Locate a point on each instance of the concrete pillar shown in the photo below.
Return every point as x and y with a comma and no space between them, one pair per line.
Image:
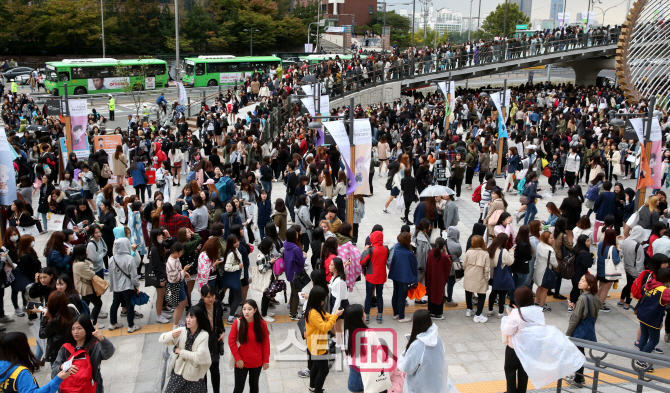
586,71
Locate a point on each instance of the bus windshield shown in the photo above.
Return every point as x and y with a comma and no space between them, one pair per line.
190,69
51,76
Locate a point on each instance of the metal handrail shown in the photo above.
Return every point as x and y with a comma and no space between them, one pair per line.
596,363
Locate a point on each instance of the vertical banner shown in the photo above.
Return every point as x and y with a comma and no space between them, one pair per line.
339,135
308,90
309,48
650,168
560,20
502,129
182,94
320,138
309,104
566,19
7,179
79,122
363,155
452,91
324,105
53,107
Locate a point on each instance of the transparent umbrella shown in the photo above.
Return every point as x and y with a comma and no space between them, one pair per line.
434,191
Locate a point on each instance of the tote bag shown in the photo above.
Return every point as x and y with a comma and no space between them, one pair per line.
586,328
634,218
612,271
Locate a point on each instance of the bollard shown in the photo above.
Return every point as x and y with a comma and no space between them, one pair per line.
189,106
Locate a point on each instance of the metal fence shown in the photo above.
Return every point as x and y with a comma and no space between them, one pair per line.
616,367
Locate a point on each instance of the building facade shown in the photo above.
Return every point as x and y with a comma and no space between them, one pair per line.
525,6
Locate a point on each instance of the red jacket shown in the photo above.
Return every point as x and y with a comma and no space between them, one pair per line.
437,274
160,156
303,146
326,265
252,353
379,257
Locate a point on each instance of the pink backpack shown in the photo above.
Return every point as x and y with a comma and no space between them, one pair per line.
279,268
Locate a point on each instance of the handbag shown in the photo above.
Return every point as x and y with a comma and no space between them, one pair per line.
612,271
634,218
301,280
549,278
145,177
172,294
30,230
586,328
301,326
524,200
231,358
150,279
231,280
99,285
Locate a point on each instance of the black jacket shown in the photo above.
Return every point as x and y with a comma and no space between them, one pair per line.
217,330
45,191
408,187
55,334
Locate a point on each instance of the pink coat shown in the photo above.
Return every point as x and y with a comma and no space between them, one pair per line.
348,251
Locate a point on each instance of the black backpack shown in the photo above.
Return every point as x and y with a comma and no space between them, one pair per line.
566,267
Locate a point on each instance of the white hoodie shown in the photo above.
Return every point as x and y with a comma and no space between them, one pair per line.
423,362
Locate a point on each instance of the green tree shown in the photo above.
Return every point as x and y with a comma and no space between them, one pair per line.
399,26
18,18
68,26
494,24
197,27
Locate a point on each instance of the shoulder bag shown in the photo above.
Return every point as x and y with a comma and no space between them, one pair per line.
549,278
586,328
612,271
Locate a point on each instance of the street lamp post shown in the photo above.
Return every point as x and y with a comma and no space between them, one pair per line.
176,31
479,14
470,21
251,44
102,18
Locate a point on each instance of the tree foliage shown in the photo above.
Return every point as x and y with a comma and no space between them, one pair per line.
495,24
147,27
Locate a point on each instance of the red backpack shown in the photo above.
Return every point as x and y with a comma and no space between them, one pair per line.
477,195
82,381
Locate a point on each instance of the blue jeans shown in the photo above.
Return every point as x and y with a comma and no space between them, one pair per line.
267,186
649,338
519,280
369,288
44,221
398,298
531,211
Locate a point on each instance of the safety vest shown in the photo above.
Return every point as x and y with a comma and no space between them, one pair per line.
15,87
112,104
145,112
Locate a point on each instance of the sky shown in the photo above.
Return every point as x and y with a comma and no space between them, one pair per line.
540,10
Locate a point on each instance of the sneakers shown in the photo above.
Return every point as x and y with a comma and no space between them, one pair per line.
489,313
270,314
433,316
106,272
294,317
303,373
380,319
102,315
546,308
268,319
644,366
500,316
6,319
116,326
560,297
230,320
386,211
480,319
161,319
516,216
406,319
605,308
134,328
19,312
657,350
100,325
571,381
168,309
396,317
468,312
571,309
451,304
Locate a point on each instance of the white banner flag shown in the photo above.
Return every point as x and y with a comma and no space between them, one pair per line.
363,154
308,89
325,105
182,94
309,104
638,125
339,134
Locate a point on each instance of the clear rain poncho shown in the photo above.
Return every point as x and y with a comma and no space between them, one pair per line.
546,354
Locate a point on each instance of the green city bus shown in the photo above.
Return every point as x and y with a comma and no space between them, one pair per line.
88,76
225,70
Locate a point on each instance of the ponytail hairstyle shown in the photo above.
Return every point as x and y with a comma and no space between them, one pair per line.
440,243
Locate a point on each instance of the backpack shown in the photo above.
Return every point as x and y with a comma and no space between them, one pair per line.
82,381
592,192
106,172
566,267
366,260
222,188
477,195
521,186
75,310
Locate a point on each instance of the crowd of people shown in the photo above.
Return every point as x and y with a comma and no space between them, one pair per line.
209,223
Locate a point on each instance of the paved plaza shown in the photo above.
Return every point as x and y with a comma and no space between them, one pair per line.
474,351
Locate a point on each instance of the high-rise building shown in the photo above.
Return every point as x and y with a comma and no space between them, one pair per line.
556,7
525,6
441,20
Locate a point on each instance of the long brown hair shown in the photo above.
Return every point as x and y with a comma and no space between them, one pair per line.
108,192
534,227
24,246
430,208
56,242
119,151
500,242
57,308
211,248
8,233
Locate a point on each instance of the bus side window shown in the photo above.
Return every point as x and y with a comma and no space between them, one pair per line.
63,76
200,69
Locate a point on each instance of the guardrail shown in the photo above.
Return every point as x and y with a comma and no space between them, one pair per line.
602,364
